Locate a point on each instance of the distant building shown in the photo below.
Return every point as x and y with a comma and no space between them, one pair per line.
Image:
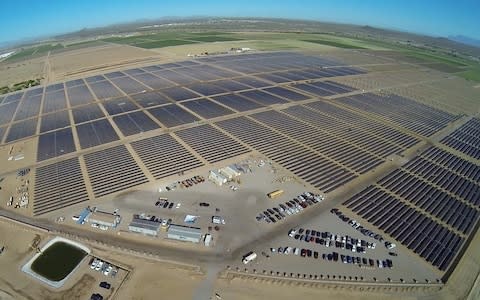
207,240
143,226
217,178
229,172
104,218
84,215
184,233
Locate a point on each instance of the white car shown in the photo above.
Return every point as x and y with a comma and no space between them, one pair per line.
296,251
99,265
108,270
178,205
94,264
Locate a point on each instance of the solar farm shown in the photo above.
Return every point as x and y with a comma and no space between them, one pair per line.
402,166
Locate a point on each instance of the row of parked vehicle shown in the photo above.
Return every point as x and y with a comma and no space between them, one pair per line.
356,225
164,203
192,181
291,207
295,251
104,267
360,261
329,239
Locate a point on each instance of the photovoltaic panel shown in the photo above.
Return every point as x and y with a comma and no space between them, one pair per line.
75,82
21,130
7,111
54,87
179,93
150,99
3,129
253,82
119,105
29,107
54,101
286,93
211,143
164,156
262,97
13,97
172,115
207,89
134,71
153,81
79,95
206,108
112,170
237,102
133,123
56,120
104,90
96,133
128,85
231,85
55,143
58,185
87,113
115,74
175,77
95,78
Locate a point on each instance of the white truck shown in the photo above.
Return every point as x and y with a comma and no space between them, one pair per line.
249,257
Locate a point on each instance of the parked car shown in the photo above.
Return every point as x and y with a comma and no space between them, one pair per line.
105,285
204,204
96,297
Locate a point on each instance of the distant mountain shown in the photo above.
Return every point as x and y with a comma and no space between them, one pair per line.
465,40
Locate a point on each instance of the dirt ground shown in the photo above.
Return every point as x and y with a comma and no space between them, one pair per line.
11,73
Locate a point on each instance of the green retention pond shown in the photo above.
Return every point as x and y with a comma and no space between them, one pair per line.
58,260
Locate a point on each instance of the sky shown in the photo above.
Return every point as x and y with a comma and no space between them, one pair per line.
31,19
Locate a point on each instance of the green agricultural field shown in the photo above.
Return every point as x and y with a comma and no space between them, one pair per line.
334,44
34,51
163,43
214,38
472,74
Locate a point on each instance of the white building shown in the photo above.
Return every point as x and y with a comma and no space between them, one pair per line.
104,218
184,233
145,227
229,172
217,178
207,240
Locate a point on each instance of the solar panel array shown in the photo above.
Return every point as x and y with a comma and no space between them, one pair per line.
466,139
417,117
58,185
211,144
164,156
431,204
113,170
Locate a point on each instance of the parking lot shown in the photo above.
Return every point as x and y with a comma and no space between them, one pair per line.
328,248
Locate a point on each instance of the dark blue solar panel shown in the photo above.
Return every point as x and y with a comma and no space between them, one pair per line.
95,78
13,97
114,74
87,113
3,129
55,143
286,93
179,93
134,123
253,82
206,108
56,120
79,95
129,86
207,89
6,112
175,77
73,83
119,105
153,81
134,71
237,102
96,133
54,101
21,130
54,87
104,90
231,85
150,99
262,97
29,107
172,115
